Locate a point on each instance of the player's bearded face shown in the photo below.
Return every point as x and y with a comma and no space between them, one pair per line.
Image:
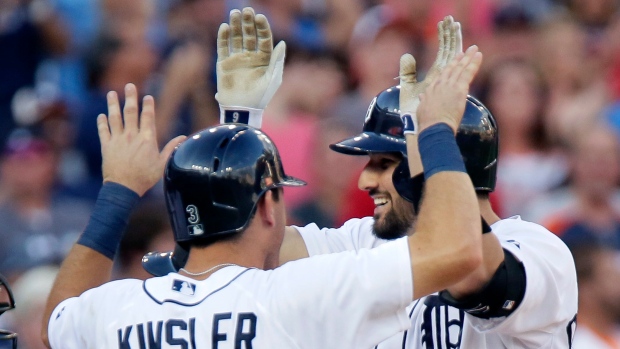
396,221
393,215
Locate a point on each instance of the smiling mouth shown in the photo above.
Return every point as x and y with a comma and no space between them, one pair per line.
380,201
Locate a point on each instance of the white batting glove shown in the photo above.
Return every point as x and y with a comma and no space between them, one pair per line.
450,44
249,68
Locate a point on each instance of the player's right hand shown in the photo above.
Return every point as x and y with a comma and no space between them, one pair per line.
129,148
249,69
444,100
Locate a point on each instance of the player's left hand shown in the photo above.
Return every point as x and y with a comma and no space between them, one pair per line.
249,69
450,44
129,148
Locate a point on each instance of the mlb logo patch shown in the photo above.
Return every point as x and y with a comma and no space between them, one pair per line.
183,287
195,230
508,305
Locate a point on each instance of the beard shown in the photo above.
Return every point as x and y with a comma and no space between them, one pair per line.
396,222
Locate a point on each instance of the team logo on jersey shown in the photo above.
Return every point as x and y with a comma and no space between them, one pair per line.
443,325
183,287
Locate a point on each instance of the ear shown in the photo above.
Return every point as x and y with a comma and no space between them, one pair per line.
266,209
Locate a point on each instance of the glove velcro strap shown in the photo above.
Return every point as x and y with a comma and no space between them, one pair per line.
241,115
410,123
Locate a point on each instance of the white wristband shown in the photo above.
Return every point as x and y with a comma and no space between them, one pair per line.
242,115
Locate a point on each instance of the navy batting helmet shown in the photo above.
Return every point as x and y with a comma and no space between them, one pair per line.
477,138
213,182
215,178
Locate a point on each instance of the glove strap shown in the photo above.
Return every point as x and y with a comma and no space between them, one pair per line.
241,115
410,123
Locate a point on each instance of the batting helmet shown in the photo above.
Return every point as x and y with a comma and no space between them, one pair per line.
215,178
477,138
212,183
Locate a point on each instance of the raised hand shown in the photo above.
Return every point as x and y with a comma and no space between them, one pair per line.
129,148
450,44
444,100
249,68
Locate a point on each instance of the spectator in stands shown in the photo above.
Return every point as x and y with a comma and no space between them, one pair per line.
38,225
529,166
578,90
598,272
589,208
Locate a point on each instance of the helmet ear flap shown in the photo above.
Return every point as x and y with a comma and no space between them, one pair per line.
410,188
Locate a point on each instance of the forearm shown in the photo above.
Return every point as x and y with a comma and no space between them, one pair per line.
446,244
449,224
90,261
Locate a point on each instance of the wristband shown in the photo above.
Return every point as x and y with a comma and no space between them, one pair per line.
439,151
109,219
241,115
410,123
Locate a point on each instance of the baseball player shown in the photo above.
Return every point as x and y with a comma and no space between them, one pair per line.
224,197
523,295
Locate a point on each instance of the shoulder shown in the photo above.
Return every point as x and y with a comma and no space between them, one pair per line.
534,245
359,224
515,227
113,289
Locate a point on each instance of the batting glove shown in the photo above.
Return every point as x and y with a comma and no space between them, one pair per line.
450,44
249,69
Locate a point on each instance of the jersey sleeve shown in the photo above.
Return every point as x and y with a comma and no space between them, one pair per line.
546,314
67,328
73,325
353,235
355,299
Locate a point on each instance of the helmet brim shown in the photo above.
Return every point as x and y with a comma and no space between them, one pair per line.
370,142
289,181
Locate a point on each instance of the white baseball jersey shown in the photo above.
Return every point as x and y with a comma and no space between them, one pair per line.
544,319
343,300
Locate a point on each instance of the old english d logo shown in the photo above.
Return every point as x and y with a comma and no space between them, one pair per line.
440,325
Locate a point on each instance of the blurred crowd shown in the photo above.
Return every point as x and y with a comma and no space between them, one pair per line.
551,77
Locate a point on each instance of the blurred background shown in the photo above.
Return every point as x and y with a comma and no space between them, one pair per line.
551,77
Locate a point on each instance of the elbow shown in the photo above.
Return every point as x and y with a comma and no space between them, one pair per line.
471,250
470,257
44,330
44,337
